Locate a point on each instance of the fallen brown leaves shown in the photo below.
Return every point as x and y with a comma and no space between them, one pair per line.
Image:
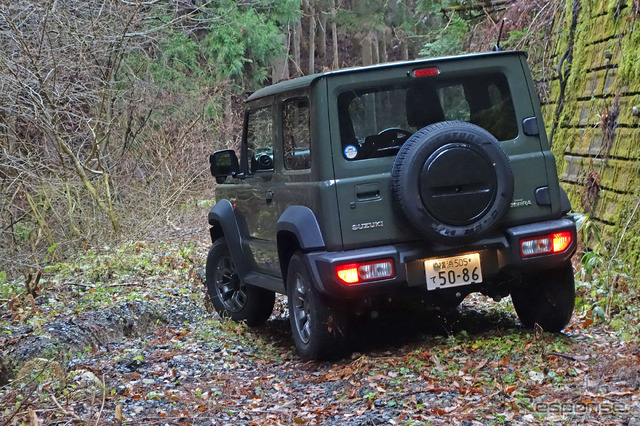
485,370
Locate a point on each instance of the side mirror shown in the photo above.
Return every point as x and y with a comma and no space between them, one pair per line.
223,163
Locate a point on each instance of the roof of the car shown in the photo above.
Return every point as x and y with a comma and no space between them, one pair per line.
306,81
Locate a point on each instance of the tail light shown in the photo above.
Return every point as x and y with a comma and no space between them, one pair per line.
354,273
548,244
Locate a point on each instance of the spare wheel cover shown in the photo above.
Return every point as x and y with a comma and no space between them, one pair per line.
453,181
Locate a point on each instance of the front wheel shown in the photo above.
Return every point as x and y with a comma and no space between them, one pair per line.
231,297
546,298
319,328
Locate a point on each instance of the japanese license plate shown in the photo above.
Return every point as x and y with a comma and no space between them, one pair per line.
453,271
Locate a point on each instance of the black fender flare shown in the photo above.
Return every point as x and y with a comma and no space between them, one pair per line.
300,224
223,221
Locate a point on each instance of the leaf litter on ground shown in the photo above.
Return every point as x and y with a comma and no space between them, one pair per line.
145,348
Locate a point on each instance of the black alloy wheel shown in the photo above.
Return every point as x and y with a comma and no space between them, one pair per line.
231,297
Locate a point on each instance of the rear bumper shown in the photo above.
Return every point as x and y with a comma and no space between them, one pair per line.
499,254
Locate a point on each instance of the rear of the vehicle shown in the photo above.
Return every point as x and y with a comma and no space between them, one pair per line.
444,178
443,182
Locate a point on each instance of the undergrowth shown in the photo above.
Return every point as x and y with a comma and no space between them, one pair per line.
606,288
505,361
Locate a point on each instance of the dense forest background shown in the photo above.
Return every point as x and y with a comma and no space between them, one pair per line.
109,108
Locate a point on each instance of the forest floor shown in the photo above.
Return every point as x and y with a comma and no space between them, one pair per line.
124,335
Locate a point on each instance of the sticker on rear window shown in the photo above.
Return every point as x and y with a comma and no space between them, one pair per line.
350,152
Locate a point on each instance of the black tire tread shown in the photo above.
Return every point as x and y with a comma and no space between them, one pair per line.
260,301
329,326
546,298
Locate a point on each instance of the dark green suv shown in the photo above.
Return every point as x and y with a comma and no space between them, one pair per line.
428,179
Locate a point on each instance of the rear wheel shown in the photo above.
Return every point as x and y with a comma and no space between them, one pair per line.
231,297
546,298
319,328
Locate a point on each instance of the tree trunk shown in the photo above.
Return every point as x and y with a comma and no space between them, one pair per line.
334,34
367,58
383,50
297,33
280,69
312,37
322,35
375,49
404,46
281,63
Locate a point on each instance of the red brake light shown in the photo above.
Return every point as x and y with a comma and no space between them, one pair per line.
426,72
553,243
348,273
561,241
353,273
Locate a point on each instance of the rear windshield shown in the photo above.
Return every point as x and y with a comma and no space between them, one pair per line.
375,122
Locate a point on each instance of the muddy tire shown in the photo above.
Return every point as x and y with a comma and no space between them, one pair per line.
452,181
546,298
231,297
319,328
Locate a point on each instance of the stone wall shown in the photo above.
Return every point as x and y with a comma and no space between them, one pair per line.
592,114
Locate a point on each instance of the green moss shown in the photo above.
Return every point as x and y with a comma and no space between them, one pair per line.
616,8
626,117
627,143
547,112
567,113
573,192
629,65
606,34
619,175
577,70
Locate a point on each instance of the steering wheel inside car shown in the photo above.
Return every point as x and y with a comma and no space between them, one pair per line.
388,141
399,133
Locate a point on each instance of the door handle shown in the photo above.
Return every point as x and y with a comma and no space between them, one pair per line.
368,192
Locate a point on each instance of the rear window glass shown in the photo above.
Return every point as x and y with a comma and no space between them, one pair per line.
375,122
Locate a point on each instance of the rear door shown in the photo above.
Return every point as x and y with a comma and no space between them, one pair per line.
375,109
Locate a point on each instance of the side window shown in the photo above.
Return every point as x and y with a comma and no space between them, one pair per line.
260,140
296,134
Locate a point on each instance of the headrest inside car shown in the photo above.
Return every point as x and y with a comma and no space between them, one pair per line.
423,107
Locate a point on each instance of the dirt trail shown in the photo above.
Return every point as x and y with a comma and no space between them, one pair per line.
135,343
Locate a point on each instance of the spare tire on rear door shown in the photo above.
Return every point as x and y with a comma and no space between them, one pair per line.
453,181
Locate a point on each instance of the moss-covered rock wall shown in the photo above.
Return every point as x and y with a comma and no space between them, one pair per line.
593,114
